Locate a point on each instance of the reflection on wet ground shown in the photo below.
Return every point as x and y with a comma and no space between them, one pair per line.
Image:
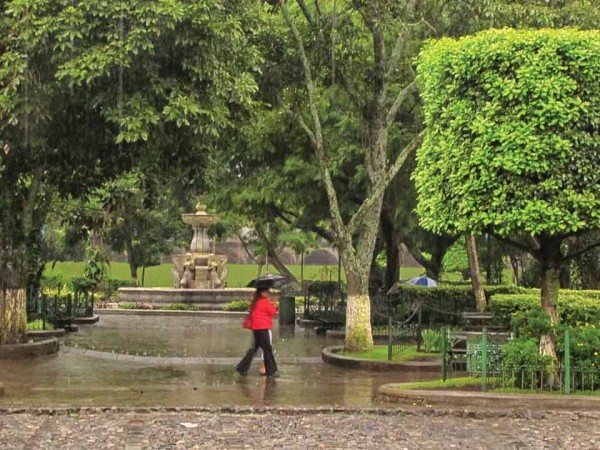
76,379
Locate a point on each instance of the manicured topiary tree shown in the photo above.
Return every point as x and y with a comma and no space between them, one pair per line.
512,143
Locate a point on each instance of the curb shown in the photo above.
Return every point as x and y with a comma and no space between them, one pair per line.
330,356
295,411
85,320
44,334
461,399
158,312
39,348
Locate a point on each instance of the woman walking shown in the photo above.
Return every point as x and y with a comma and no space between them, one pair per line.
262,310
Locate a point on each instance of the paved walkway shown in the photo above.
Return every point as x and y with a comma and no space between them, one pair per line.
174,361
296,429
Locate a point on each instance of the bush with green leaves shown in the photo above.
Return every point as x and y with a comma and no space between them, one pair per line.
237,305
574,307
442,304
38,325
179,307
431,340
584,346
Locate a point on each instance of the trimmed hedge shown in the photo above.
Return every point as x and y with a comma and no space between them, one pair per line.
442,304
574,307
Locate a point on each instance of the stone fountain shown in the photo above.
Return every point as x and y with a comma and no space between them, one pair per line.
200,269
199,275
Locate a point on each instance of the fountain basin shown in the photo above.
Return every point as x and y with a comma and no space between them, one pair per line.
207,299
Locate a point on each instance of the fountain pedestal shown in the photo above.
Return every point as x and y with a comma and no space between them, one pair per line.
200,269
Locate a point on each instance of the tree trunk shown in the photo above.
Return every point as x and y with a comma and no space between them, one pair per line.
478,291
550,269
392,249
13,319
359,336
132,263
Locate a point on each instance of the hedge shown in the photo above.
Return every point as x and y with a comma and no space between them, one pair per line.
574,307
442,304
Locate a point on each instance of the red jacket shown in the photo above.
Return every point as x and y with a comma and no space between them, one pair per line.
262,314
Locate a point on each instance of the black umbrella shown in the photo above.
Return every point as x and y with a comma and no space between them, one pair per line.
269,281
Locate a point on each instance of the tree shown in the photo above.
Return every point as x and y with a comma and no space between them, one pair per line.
376,101
512,142
89,89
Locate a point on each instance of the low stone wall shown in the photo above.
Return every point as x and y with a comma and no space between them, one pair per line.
330,355
41,335
168,296
85,320
30,349
172,313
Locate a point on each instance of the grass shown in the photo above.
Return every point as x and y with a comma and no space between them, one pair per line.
380,353
239,274
451,383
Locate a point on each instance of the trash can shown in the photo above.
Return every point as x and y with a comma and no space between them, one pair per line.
287,309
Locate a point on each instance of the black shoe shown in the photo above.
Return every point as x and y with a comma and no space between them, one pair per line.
274,375
241,372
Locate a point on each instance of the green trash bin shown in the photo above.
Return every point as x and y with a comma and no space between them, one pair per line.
287,310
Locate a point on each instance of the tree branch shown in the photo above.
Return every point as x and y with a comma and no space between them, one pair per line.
382,184
581,252
397,52
305,11
391,115
520,245
318,135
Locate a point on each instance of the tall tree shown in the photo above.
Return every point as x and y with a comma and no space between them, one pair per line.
89,89
513,143
376,101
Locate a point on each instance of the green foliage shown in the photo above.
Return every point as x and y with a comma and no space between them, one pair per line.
531,323
432,340
455,259
135,306
512,133
38,325
585,345
237,305
77,284
574,307
524,352
442,304
179,307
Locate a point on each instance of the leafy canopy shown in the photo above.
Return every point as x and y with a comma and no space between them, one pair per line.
512,133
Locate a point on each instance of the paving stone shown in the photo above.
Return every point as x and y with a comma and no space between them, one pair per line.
289,430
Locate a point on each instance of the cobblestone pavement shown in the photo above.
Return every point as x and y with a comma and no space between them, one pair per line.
297,429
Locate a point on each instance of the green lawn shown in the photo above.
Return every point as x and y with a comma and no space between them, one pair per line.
239,274
380,353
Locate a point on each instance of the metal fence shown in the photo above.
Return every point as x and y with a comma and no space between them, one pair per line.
59,310
465,354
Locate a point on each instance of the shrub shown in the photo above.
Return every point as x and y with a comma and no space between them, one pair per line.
237,305
81,284
531,323
431,340
522,356
179,307
134,306
38,325
584,346
112,285
574,307
443,304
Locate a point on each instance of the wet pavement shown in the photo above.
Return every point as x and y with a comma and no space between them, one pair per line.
165,383
114,363
295,429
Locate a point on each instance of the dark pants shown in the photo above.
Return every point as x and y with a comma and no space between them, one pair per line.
261,339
